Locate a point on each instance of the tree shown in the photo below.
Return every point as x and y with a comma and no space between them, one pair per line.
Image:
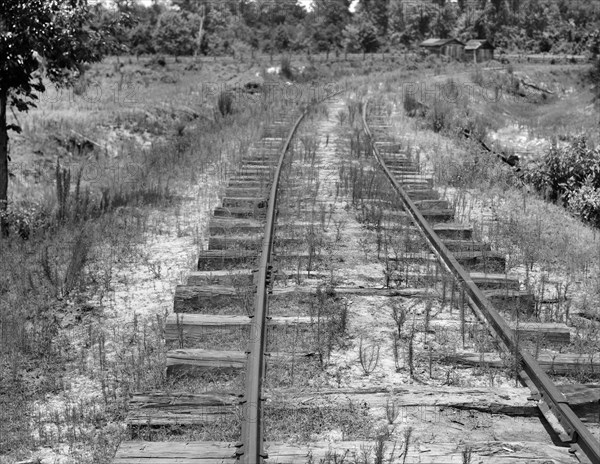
367,38
51,38
219,29
350,41
378,12
396,22
173,34
329,18
419,20
140,39
446,22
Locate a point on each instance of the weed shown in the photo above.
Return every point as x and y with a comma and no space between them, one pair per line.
286,68
399,314
380,449
467,455
225,103
411,351
406,434
63,187
368,357
396,348
411,105
392,410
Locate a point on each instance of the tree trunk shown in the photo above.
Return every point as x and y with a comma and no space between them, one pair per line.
3,163
199,37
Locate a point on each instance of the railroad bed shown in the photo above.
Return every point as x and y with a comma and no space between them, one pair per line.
295,351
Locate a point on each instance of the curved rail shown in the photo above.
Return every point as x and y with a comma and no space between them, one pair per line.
556,401
252,436
251,448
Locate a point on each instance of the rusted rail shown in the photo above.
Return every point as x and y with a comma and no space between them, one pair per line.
251,449
578,433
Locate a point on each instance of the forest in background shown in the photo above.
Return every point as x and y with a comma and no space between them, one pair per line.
241,27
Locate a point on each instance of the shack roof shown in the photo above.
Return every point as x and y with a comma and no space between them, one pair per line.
474,44
437,42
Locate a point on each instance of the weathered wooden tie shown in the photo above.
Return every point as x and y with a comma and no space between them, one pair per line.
453,231
213,260
193,326
198,359
493,452
558,363
180,408
238,277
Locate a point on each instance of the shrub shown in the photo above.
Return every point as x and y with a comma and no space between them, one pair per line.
451,91
225,103
571,176
562,171
477,77
286,68
411,105
585,203
439,116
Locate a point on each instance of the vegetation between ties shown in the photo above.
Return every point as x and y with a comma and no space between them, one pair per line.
70,239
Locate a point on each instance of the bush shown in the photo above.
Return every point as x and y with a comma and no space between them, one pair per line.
439,116
570,176
225,103
585,203
562,171
286,68
545,45
477,77
451,91
411,105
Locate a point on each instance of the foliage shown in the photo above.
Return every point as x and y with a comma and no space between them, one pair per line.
376,12
585,202
330,19
225,103
286,68
366,33
141,40
411,105
439,116
570,175
173,33
52,39
555,26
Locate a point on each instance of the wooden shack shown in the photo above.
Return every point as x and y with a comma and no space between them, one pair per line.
479,50
453,48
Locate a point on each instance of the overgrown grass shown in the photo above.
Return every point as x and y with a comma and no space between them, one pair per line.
70,239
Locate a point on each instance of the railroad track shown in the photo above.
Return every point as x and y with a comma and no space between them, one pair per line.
246,309
234,278
551,400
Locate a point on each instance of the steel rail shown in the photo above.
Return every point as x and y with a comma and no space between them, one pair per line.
250,450
554,398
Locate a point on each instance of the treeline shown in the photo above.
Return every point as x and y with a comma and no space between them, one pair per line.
240,27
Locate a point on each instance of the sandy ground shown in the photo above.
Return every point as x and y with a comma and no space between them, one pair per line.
371,324
141,290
